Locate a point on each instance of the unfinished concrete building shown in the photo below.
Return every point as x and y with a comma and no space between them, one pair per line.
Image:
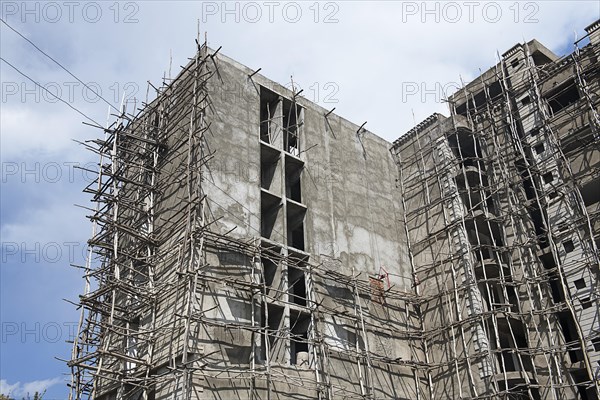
249,244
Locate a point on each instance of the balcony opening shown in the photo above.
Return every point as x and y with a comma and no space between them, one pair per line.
466,148
132,344
299,326
295,225
462,109
271,273
591,192
495,90
518,390
273,333
508,351
269,124
293,173
292,122
297,286
293,189
270,169
562,96
570,335
581,378
493,295
539,58
555,288
271,216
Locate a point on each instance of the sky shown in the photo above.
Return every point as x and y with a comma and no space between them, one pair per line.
388,63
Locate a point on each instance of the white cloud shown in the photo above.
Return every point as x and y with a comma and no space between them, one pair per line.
8,389
18,389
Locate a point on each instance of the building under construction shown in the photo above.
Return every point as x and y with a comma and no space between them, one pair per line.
250,244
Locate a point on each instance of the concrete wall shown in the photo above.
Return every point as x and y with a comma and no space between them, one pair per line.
217,331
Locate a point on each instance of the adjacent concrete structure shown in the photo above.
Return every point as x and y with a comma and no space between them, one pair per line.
250,244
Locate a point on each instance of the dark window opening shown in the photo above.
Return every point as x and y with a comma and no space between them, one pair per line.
293,190
563,227
539,148
529,189
553,280
511,336
292,121
526,100
270,177
591,192
548,177
296,237
568,245
514,63
299,326
577,141
291,143
269,271
495,90
297,286
465,146
548,261
513,298
479,98
580,283
538,225
562,97
270,215
293,174
269,102
474,101
581,378
556,289
553,195
540,58
586,303
295,225
596,344
272,326
567,324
